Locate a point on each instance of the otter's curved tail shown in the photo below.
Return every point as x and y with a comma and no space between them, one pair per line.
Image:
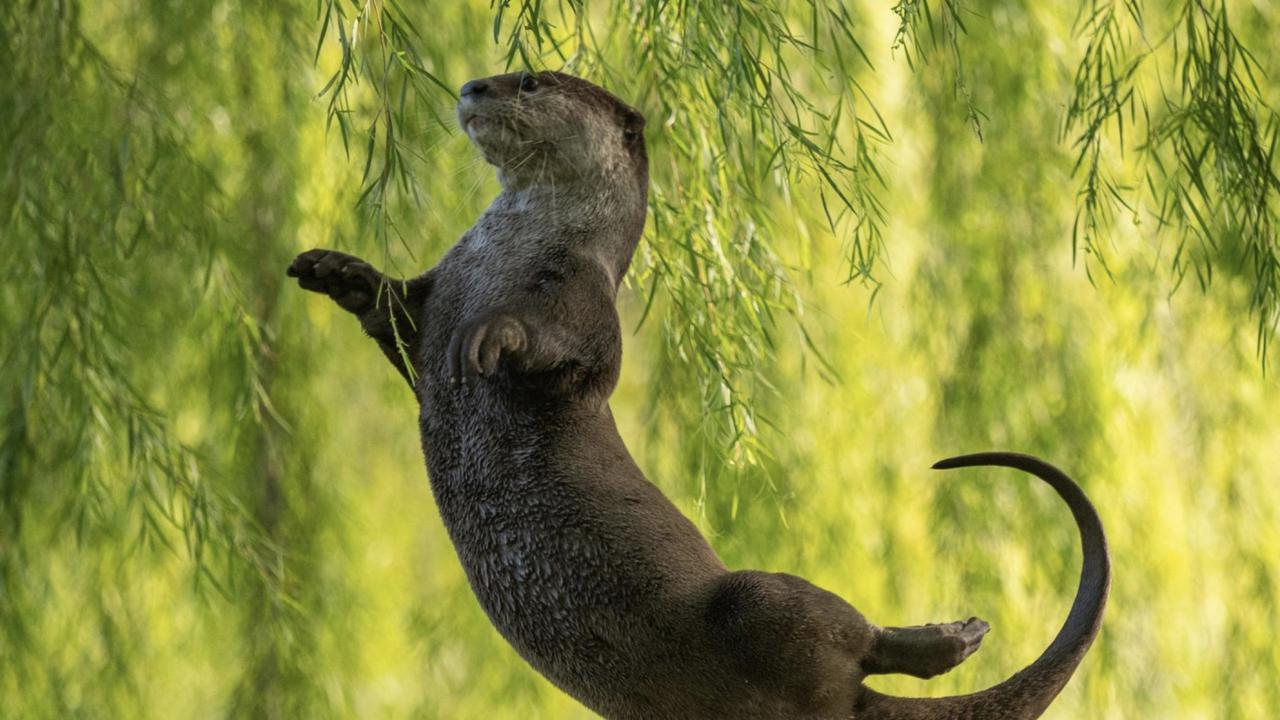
1029,692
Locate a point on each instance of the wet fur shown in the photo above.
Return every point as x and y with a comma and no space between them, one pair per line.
595,578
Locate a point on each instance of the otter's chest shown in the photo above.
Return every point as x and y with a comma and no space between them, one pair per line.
489,269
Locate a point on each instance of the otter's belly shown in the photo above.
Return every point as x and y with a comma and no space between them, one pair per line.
558,595
582,605
580,563
572,579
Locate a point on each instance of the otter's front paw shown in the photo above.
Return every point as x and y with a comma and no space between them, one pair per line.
478,345
350,281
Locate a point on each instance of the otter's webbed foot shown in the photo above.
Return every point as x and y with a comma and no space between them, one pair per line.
348,280
924,651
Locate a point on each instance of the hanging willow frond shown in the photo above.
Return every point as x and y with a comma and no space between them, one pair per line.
1205,143
920,34
111,205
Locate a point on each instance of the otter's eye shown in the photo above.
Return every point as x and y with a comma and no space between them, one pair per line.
529,83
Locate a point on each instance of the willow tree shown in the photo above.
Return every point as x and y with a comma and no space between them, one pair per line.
876,235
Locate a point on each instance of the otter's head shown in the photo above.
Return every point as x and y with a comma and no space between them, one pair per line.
553,128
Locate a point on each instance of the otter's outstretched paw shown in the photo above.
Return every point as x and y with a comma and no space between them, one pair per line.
350,281
925,650
478,345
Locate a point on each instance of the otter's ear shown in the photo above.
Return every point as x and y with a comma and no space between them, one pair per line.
632,124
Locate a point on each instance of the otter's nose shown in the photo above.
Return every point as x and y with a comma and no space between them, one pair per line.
474,87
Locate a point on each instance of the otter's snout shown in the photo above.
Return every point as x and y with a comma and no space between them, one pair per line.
474,87
472,94
485,100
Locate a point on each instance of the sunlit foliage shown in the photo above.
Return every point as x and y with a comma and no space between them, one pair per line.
878,234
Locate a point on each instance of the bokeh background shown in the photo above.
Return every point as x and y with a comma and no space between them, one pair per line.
878,236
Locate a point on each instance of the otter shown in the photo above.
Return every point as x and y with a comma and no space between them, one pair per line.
512,345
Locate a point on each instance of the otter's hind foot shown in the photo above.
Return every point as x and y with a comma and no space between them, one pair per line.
924,651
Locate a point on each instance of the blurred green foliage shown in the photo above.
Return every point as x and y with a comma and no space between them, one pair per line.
861,257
